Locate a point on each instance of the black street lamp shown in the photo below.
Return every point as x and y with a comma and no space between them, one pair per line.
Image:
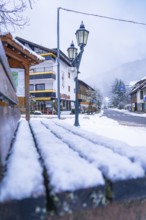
75,58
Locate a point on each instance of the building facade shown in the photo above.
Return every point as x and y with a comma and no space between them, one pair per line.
43,81
86,101
138,96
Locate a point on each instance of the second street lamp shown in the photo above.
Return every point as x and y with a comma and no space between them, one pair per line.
72,52
75,58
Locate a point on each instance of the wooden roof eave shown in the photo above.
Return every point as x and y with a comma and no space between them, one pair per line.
12,55
18,52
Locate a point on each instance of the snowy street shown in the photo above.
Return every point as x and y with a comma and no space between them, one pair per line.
74,157
132,119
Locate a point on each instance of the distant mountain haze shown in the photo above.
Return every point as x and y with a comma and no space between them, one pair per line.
132,71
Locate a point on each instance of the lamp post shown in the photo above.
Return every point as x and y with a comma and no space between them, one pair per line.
75,58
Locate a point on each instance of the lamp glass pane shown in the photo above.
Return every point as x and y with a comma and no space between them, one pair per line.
72,52
85,37
80,37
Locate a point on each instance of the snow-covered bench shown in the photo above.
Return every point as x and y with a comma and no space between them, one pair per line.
56,169
122,170
69,174
22,191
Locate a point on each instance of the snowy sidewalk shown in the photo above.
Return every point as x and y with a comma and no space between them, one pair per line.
52,159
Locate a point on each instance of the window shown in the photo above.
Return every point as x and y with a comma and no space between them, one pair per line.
31,87
68,74
68,88
40,87
62,79
44,94
141,94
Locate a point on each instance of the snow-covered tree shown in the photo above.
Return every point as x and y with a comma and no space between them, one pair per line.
119,93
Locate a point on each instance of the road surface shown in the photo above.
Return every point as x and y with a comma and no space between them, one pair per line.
125,119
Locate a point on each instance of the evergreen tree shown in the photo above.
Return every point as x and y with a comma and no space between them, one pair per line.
119,93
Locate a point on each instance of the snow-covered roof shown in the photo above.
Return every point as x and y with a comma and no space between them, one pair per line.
141,84
63,57
29,50
10,43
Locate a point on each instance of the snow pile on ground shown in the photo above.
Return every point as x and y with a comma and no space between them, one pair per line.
101,125
66,169
112,165
24,174
129,113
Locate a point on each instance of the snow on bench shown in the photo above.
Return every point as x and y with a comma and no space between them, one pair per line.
113,166
66,169
74,183
23,178
84,170
135,154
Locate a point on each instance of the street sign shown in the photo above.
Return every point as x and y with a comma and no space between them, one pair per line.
122,88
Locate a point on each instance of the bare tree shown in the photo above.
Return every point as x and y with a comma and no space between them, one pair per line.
11,14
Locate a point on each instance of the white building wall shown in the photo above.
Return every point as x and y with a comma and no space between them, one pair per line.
47,65
51,84
48,83
65,81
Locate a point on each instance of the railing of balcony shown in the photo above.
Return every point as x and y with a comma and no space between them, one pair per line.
47,75
43,93
84,97
41,69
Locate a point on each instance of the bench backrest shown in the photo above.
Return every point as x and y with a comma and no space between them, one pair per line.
9,114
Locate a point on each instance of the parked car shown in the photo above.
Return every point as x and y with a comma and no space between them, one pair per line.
36,112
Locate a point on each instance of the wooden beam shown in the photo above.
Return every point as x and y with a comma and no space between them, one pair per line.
15,64
27,92
7,40
16,56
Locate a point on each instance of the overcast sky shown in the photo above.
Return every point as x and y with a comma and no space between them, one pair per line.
110,43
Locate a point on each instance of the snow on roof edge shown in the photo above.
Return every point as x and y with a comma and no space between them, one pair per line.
25,48
30,51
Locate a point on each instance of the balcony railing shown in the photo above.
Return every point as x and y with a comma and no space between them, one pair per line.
43,75
43,93
41,69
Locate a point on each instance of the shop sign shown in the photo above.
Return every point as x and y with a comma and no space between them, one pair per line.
64,96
